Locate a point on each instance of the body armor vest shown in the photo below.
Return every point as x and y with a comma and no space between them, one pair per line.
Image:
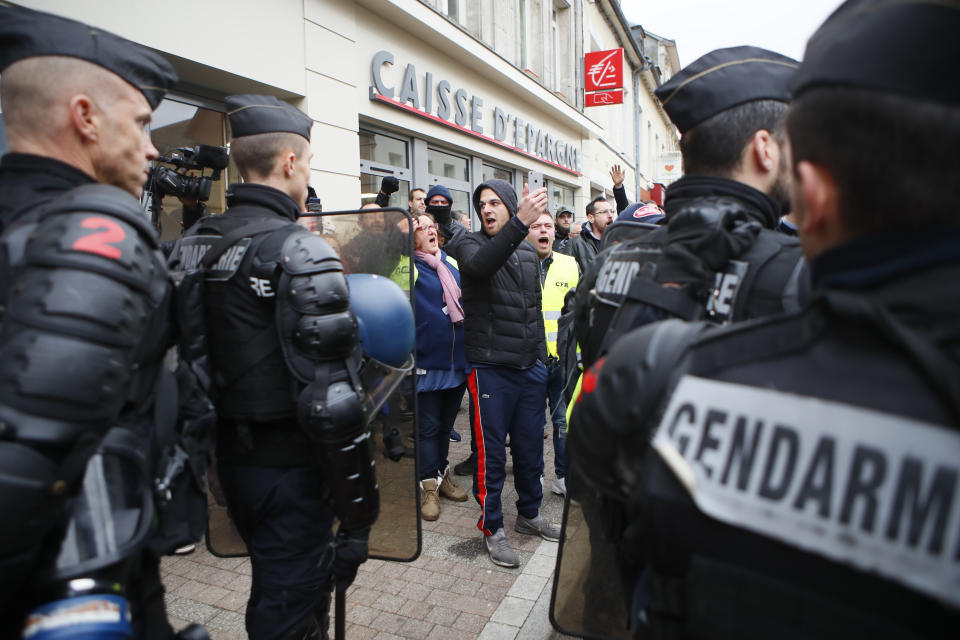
251,379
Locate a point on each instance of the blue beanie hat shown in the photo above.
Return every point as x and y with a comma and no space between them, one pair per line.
502,188
439,190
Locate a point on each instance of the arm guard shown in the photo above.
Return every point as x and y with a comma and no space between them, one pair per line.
87,304
318,334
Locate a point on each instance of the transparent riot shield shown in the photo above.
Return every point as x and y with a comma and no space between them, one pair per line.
375,241
592,595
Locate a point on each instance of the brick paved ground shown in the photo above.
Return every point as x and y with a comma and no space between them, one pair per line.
451,591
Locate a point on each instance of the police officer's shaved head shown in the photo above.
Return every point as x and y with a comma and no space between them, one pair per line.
80,95
256,156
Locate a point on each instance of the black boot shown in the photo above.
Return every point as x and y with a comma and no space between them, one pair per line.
467,467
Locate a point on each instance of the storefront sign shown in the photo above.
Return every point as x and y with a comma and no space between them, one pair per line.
600,98
436,100
603,70
669,166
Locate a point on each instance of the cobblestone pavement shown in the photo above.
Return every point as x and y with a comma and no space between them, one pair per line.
452,591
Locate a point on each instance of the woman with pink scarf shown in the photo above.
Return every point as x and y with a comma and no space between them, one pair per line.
441,363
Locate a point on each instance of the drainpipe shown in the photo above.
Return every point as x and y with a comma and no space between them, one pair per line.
638,112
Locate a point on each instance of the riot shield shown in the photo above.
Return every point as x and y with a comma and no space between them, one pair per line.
375,241
592,590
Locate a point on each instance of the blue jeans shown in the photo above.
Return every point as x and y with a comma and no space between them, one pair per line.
436,412
558,416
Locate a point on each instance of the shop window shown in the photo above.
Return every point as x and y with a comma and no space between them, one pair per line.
559,195
453,172
370,186
491,172
378,148
382,155
440,163
178,124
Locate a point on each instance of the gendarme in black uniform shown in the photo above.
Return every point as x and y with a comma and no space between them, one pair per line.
85,301
759,275
292,444
798,477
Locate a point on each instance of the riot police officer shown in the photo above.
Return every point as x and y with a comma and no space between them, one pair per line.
284,354
729,106
801,478
85,296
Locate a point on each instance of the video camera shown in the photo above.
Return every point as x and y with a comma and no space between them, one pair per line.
164,181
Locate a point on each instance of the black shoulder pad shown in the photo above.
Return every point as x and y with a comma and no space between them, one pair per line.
304,253
621,398
109,200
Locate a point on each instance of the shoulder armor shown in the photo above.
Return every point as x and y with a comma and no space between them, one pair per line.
109,200
621,398
303,253
313,305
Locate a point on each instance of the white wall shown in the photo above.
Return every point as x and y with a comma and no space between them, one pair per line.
258,39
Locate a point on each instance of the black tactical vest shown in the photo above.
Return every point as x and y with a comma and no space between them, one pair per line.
767,278
250,378
803,479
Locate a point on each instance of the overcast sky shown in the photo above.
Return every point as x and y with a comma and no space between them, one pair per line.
699,26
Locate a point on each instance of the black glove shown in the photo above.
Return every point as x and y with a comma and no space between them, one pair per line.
389,184
350,551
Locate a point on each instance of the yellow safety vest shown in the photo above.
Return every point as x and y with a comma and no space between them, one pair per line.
401,272
562,276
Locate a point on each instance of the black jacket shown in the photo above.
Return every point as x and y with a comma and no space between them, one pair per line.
240,311
771,279
584,247
27,181
503,323
879,340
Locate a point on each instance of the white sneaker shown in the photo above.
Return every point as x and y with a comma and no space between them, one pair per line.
559,486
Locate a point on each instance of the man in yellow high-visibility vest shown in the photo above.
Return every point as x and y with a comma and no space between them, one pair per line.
559,274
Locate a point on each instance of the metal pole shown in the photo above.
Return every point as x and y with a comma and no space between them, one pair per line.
340,612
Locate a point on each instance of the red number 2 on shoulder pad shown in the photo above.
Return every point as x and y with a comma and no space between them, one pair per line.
101,242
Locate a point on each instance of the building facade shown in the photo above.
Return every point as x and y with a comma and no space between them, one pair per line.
431,91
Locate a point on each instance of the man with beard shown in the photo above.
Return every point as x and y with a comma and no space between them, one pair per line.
562,229
584,247
417,202
718,257
729,106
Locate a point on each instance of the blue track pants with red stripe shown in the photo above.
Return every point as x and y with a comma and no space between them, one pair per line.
507,401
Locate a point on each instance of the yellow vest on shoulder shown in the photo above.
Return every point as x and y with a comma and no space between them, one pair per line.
562,276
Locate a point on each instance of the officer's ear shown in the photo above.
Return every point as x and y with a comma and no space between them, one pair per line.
85,117
288,162
819,218
764,152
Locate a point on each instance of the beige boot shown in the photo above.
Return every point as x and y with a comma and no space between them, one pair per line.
430,502
449,488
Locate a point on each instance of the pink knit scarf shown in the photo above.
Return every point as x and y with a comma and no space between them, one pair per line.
451,290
